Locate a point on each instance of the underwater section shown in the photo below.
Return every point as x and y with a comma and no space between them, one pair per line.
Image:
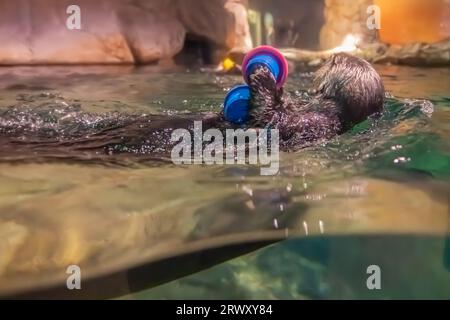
410,267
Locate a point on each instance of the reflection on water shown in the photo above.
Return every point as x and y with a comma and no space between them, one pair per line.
388,176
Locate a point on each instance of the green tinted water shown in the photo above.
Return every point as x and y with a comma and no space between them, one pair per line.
410,267
384,185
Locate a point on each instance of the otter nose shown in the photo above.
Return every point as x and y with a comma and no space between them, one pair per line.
269,57
236,104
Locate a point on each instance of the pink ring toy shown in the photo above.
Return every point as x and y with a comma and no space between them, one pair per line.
267,50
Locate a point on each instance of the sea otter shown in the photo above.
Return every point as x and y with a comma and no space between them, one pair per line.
347,90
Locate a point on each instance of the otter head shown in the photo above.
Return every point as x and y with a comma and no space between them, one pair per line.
353,84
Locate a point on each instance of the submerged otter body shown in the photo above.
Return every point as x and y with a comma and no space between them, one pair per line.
348,90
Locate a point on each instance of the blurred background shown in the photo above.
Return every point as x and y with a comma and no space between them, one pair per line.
204,31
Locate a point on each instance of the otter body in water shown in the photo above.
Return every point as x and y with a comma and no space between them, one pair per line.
347,91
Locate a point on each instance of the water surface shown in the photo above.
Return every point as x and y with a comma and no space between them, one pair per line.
386,180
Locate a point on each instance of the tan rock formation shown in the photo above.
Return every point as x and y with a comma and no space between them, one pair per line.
115,31
343,17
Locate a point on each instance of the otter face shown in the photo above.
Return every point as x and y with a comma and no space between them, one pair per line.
353,84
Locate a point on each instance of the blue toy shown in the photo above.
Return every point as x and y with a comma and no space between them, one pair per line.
237,101
236,104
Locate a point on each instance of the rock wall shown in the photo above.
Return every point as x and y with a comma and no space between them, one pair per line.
343,17
115,31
